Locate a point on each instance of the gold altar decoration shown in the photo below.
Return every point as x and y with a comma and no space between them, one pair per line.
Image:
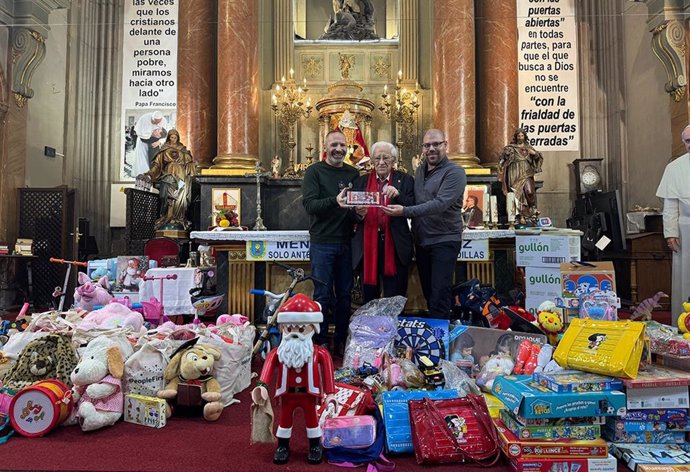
344,100
290,104
401,109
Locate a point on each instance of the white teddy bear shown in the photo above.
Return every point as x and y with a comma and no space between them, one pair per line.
97,380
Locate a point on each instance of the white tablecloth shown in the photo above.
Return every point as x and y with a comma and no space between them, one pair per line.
176,298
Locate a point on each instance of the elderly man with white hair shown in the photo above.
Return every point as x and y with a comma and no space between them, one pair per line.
151,129
382,245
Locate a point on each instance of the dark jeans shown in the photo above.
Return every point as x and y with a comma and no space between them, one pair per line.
436,265
331,263
392,286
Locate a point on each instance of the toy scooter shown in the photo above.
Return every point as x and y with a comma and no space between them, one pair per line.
153,309
62,292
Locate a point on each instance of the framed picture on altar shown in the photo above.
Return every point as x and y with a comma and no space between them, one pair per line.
225,202
474,204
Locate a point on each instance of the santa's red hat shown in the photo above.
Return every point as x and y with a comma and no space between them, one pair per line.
300,309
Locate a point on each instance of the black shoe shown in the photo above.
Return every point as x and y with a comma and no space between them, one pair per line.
315,451
282,454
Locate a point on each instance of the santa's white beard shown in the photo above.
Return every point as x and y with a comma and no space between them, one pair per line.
296,349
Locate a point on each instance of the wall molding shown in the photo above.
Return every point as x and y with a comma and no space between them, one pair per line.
28,51
668,45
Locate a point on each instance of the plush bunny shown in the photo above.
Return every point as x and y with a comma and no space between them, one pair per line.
89,294
97,380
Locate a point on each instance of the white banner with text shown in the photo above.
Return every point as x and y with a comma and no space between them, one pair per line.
548,73
149,81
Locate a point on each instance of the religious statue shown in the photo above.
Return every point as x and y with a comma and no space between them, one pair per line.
346,63
416,162
517,166
357,151
275,167
171,172
351,20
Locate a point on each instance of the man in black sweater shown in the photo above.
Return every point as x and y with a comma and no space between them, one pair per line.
330,232
436,221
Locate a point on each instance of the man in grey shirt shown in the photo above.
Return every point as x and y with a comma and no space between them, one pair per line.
436,221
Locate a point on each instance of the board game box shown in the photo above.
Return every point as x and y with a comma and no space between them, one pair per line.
425,336
577,381
646,437
658,397
636,426
526,398
585,432
654,414
636,454
603,464
514,447
663,468
658,376
597,420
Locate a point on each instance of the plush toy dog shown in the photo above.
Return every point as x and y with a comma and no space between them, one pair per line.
89,294
191,388
48,357
98,384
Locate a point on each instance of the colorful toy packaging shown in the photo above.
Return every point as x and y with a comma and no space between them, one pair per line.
581,278
527,398
576,381
147,411
585,432
571,464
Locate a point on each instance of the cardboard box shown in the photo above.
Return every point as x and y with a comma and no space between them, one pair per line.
541,284
576,381
635,455
654,414
546,250
663,468
638,426
583,432
577,280
147,411
524,397
494,405
426,336
514,448
485,342
607,464
645,437
595,420
658,397
658,376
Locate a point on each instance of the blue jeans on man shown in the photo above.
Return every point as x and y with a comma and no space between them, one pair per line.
331,265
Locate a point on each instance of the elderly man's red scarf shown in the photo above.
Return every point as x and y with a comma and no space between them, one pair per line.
371,240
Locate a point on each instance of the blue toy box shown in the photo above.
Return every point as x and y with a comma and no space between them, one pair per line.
526,398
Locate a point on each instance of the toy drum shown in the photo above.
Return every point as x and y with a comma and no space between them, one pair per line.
36,410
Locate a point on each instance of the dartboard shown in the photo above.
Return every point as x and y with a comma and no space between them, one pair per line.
423,342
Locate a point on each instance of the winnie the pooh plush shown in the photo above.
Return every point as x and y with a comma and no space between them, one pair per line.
191,388
97,380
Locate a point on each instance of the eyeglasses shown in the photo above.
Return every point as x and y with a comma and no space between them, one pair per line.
383,157
435,144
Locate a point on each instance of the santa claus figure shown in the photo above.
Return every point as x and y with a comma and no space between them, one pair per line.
303,372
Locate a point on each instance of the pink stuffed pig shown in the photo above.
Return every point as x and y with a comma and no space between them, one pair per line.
113,315
89,294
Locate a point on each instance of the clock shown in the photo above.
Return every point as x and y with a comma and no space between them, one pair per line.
588,175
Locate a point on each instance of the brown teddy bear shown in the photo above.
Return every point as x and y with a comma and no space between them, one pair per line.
191,389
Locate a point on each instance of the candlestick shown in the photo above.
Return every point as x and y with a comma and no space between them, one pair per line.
487,210
494,210
510,207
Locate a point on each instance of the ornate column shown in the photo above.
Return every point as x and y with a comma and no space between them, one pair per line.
498,94
196,79
283,39
238,88
454,107
409,40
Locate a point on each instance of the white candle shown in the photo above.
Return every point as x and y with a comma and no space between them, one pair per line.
485,207
510,207
494,209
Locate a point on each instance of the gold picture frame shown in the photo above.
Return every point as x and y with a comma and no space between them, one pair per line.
223,199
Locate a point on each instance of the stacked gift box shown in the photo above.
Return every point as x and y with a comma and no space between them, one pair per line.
656,420
553,423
